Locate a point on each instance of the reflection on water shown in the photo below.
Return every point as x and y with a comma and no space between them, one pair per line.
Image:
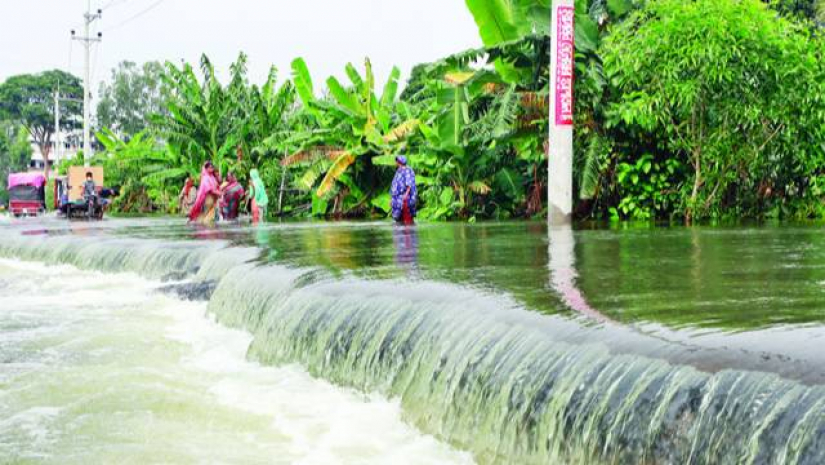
405,239
729,279
703,279
563,274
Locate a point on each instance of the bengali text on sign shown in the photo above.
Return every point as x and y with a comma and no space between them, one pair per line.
565,55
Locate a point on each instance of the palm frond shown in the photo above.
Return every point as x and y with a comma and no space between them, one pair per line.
402,131
354,76
506,113
344,97
336,170
590,178
311,154
391,88
479,187
311,175
303,81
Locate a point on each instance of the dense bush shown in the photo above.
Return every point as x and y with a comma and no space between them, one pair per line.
728,90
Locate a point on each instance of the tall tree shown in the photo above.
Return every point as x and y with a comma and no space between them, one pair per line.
134,93
28,99
745,119
15,153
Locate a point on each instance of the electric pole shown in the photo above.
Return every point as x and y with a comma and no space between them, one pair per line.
88,19
57,124
560,156
57,143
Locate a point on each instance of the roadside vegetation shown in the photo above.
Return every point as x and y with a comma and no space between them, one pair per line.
685,111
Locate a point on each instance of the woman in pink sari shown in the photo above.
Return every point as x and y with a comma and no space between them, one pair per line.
208,194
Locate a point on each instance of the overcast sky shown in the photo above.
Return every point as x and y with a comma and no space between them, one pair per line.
35,34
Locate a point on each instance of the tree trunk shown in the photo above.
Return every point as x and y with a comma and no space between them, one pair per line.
697,183
44,143
281,191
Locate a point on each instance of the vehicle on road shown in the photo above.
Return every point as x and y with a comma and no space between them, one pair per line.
27,194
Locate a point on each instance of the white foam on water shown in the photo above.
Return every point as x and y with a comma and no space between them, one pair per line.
325,424
101,368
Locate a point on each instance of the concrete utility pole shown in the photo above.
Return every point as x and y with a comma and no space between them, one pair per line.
57,142
88,19
57,125
560,158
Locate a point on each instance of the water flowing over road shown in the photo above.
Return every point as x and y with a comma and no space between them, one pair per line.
363,343
102,368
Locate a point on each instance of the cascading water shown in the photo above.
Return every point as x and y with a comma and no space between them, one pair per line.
475,369
470,371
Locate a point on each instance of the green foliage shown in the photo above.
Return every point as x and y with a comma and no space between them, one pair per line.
354,127
15,153
133,95
205,119
649,188
28,100
147,174
501,21
700,109
810,10
710,82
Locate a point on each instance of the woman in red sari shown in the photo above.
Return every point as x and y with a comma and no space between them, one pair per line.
187,196
208,194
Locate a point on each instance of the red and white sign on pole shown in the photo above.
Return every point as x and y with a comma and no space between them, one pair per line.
565,57
560,156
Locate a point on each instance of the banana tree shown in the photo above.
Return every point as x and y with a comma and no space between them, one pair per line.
205,120
147,174
459,157
356,133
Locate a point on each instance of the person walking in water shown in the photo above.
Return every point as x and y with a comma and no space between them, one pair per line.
187,196
203,211
403,193
257,192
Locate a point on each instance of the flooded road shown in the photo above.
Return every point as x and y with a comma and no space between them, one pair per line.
443,343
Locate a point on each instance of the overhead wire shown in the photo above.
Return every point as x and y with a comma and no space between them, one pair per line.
113,3
135,16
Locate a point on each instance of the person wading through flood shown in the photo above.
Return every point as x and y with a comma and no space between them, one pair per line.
403,193
208,194
231,199
187,196
257,192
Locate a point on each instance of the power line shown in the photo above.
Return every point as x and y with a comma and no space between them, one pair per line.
113,3
135,16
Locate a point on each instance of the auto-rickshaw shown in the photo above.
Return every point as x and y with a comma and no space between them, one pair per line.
27,194
73,204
